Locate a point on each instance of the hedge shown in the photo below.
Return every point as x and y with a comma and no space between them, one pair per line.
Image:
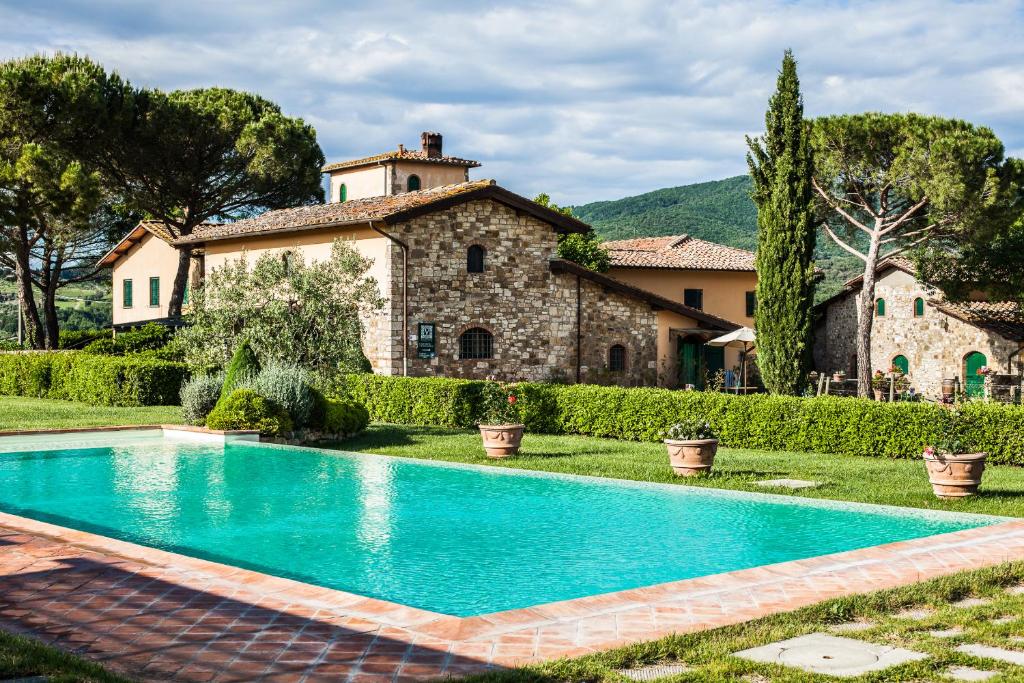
840,426
90,378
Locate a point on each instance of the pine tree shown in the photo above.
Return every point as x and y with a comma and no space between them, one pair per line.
781,166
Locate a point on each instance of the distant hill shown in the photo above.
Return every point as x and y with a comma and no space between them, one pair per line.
720,211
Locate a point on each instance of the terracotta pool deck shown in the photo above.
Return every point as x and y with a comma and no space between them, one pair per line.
156,615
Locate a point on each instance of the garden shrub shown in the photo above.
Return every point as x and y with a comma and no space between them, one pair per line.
344,416
104,346
96,379
243,366
150,337
290,387
198,397
828,424
245,409
77,339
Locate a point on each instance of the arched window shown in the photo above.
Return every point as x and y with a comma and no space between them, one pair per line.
902,363
918,307
342,193
617,358
476,342
475,259
880,307
413,183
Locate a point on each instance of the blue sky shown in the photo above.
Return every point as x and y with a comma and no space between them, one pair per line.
582,99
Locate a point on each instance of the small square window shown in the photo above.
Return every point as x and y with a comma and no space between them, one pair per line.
694,298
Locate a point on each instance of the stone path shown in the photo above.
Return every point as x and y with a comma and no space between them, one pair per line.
160,616
824,654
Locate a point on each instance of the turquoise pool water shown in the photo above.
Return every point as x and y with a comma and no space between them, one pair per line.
452,539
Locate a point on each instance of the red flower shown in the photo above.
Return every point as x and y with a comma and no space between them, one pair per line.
511,399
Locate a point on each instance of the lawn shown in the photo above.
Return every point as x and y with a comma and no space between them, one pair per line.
38,413
866,480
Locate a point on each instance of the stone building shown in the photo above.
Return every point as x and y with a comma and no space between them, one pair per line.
714,278
474,287
927,337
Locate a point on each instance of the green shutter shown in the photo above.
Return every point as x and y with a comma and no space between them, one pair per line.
974,384
126,293
880,307
154,291
751,304
342,193
918,307
902,363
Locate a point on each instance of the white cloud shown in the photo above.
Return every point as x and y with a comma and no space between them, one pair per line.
585,100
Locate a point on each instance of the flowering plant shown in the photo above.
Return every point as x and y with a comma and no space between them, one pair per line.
896,371
690,430
501,404
879,380
949,442
985,371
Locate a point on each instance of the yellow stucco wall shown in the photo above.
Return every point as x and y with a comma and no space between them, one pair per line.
392,178
151,257
668,362
431,175
367,181
725,292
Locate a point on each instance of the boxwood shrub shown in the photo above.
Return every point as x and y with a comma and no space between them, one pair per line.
101,380
840,426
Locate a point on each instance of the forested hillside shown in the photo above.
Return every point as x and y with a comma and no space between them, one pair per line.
719,211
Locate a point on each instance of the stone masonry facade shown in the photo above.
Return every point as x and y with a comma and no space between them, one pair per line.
935,344
530,311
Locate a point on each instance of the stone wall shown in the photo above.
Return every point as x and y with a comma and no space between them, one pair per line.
935,344
530,311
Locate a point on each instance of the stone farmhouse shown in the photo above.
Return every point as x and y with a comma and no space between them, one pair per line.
470,272
928,338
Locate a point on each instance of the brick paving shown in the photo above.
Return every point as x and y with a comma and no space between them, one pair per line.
158,616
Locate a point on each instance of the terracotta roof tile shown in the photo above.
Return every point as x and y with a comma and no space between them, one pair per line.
389,208
401,155
679,252
1005,318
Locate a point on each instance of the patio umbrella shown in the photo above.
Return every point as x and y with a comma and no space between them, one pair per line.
743,339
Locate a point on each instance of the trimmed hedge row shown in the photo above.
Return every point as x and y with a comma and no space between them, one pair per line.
841,426
91,378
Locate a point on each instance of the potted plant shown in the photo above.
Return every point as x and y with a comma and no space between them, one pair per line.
692,445
878,384
839,376
953,473
501,429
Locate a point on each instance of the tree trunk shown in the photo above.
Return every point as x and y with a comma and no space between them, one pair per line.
52,327
866,319
26,297
180,281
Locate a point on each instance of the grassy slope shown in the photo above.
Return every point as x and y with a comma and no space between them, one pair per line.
38,413
867,480
719,211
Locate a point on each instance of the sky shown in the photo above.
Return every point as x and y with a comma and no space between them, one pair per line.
581,99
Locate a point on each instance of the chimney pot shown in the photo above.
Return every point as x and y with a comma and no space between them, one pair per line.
431,144
401,149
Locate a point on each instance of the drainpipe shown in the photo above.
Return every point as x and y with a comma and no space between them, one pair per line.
405,295
579,332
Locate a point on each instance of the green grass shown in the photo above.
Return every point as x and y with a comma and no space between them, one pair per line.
709,652
37,413
866,480
23,658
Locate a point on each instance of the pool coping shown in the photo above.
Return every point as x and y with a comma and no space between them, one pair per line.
572,627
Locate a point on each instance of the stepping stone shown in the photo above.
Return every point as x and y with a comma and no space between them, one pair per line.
967,673
825,654
1004,620
787,483
653,672
989,652
970,602
852,626
916,613
1016,590
947,633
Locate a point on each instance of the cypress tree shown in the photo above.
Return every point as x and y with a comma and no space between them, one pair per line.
781,167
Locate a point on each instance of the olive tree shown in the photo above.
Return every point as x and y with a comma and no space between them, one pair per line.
287,310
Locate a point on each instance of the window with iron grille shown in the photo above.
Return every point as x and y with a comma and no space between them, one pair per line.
476,342
475,259
617,358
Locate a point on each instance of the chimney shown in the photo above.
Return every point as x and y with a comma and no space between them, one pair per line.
401,150
431,144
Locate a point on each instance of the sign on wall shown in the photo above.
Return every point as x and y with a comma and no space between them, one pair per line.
426,345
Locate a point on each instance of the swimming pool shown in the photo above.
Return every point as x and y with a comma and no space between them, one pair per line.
454,539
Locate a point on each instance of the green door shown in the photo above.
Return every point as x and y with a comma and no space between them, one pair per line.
715,356
974,383
690,363
902,363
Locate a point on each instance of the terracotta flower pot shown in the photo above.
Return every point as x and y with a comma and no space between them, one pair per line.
838,378
955,476
691,457
501,441
879,396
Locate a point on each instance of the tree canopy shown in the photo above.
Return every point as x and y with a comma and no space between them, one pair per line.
585,250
